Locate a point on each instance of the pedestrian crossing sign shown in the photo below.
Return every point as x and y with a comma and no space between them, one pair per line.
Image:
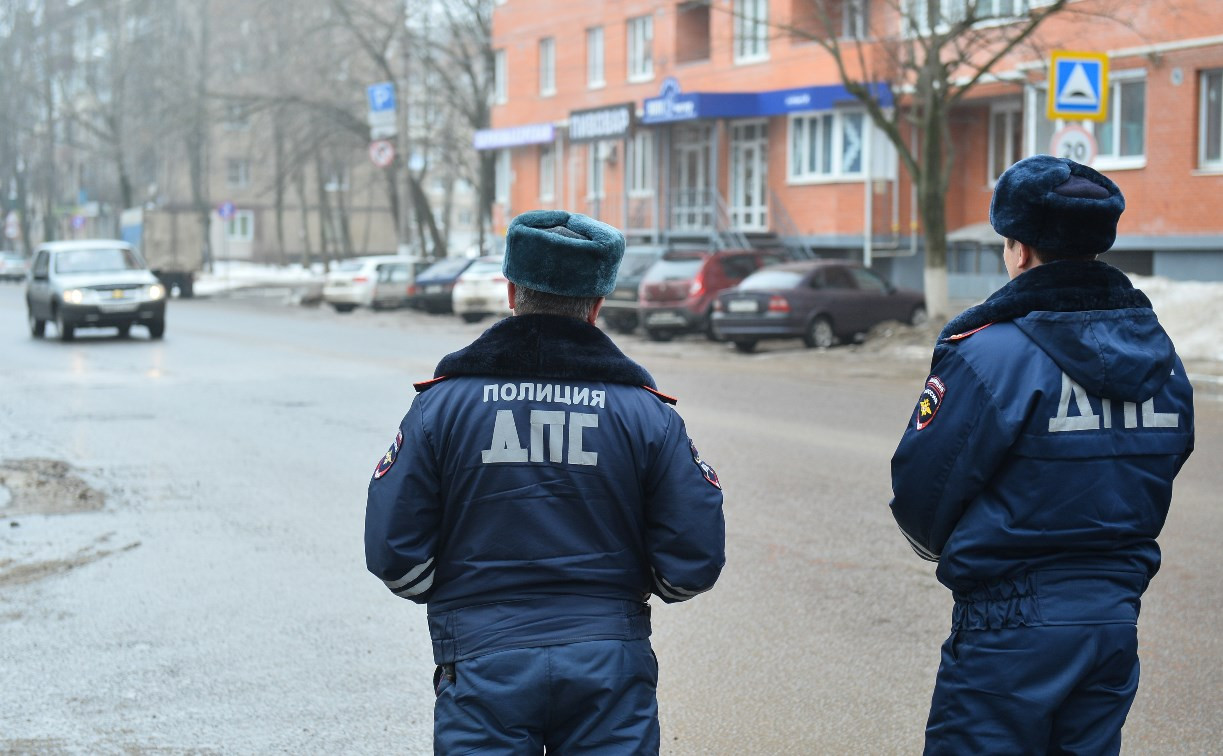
1078,85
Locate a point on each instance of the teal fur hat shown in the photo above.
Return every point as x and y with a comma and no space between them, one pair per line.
562,253
1057,205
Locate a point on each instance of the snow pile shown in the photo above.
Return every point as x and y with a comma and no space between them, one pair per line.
1191,312
231,275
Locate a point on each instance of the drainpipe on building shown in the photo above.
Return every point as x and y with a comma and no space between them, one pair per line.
868,202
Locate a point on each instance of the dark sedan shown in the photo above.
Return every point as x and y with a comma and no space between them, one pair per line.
820,301
434,285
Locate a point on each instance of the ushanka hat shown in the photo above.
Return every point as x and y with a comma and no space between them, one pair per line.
563,253
1057,206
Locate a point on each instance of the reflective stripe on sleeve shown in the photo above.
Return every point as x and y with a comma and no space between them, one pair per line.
921,551
666,590
412,584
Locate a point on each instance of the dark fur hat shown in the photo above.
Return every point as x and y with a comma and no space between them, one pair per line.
563,253
1057,206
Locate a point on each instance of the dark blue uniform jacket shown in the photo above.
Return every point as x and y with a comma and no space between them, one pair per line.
1038,465
541,490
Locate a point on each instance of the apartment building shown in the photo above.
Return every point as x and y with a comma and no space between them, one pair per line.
724,122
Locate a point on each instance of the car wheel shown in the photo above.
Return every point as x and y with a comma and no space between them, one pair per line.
343,307
918,316
125,330
819,334
654,334
746,346
472,317
157,329
38,328
66,330
708,327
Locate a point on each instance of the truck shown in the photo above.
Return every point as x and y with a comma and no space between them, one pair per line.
171,242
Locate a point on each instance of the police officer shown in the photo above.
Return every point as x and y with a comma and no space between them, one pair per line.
1037,471
539,490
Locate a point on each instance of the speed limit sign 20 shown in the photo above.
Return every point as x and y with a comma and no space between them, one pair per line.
1074,142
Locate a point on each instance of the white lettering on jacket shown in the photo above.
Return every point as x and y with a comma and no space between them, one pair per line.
548,438
1087,419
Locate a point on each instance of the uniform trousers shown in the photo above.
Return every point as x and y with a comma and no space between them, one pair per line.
594,698
1063,689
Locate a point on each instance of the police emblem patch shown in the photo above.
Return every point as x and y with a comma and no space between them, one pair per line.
930,401
707,470
388,459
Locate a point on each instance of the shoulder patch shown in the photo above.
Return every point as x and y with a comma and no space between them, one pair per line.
707,470
388,459
426,385
966,334
663,397
930,401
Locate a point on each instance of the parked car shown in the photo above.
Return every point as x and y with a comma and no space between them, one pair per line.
434,287
620,307
678,290
13,266
93,283
353,283
481,291
392,282
819,301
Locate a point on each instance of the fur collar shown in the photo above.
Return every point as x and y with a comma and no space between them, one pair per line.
1061,286
545,346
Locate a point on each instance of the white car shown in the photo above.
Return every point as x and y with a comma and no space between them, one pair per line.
481,291
351,283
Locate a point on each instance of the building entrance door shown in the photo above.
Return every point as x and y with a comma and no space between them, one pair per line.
691,198
749,202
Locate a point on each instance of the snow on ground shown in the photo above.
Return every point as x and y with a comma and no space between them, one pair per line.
1190,311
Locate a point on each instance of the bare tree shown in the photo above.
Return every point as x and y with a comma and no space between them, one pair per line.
928,54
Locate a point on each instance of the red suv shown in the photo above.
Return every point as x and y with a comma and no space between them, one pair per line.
677,292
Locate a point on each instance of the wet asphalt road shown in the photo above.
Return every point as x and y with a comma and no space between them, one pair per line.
218,601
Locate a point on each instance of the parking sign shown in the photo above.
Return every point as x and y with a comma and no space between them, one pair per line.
381,97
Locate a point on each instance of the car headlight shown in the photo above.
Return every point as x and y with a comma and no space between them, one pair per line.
156,292
74,296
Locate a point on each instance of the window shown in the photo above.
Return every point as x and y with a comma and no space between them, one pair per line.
547,171
1120,138
692,32
241,227
594,58
641,48
238,172
500,83
954,11
641,169
502,177
1210,129
1005,137
547,66
751,30
594,169
868,281
826,145
236,117
854,19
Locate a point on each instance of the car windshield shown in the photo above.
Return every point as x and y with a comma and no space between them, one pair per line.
636,263
483,268
445,268
103,260
772,279
349,266
674,269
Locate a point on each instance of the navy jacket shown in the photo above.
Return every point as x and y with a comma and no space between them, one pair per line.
1038,465
539,490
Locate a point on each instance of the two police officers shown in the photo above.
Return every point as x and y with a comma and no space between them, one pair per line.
1037,471
539,489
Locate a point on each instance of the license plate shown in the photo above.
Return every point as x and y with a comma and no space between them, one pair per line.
118,307
741,305
475,302
664,318
433,289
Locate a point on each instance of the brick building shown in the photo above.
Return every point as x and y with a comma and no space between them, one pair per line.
723,123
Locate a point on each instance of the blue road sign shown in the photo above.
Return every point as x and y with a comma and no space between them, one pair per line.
381,97
1078,85
226,210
